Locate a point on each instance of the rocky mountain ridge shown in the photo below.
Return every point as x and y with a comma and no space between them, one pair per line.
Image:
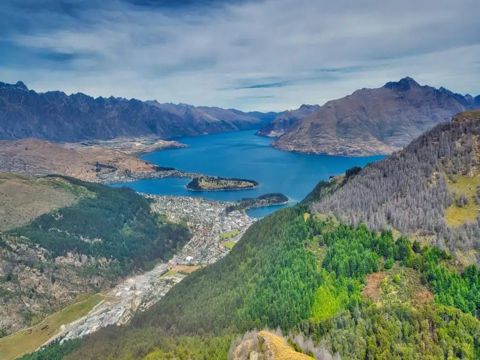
369,121
59,117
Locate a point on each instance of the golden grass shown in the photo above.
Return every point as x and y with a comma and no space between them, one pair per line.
280,348
22,199
28,340
455,215
306,216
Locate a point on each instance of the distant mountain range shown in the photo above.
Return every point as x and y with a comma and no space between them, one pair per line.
55,116
369,121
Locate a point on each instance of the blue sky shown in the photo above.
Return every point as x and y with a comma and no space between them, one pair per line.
252,55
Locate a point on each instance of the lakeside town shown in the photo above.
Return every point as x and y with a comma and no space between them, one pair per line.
214,232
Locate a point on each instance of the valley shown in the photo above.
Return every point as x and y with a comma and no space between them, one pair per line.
328,274
208,222
239,180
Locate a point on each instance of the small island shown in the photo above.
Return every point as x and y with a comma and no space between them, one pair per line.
261,201
213,183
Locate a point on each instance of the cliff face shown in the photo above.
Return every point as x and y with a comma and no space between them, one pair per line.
58,117
371,121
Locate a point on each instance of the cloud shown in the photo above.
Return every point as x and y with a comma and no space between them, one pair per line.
265,85
266,55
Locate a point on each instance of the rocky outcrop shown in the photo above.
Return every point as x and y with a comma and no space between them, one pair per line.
370,121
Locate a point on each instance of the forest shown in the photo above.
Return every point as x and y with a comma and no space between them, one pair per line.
307,275
410,191
115,224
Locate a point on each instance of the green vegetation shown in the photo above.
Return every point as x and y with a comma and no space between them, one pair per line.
308,275
30,339
53,352
229,244
114,223
229,234
465,207
328,301
145,344
271,199
212,183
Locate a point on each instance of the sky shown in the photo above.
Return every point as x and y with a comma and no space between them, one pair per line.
252,55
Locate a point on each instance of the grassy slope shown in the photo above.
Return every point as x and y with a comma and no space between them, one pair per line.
114,224
30,339
22,198
455,215
280,348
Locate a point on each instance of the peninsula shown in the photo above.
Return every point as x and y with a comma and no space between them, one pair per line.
215,183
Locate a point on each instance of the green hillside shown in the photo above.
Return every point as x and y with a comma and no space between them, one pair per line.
429,191
64,238
309,276
113,223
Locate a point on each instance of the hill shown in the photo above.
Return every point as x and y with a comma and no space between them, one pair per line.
334,288
63,237
369,121
331,287
429,190
59,117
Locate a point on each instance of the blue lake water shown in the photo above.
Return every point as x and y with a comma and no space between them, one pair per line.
244,155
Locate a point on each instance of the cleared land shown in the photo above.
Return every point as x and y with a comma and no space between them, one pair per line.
30,339
459,214
398,285
23,199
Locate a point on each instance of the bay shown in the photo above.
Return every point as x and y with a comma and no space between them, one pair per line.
242,154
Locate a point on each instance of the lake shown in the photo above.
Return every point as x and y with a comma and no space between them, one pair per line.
242,154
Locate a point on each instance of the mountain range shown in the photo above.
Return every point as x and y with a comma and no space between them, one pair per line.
56,116
369,121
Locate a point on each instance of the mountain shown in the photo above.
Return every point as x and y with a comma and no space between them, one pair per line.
286,120
429,190
369,121
61,238
334,290
59,117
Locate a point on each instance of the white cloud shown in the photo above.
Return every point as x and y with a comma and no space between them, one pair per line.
211,55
